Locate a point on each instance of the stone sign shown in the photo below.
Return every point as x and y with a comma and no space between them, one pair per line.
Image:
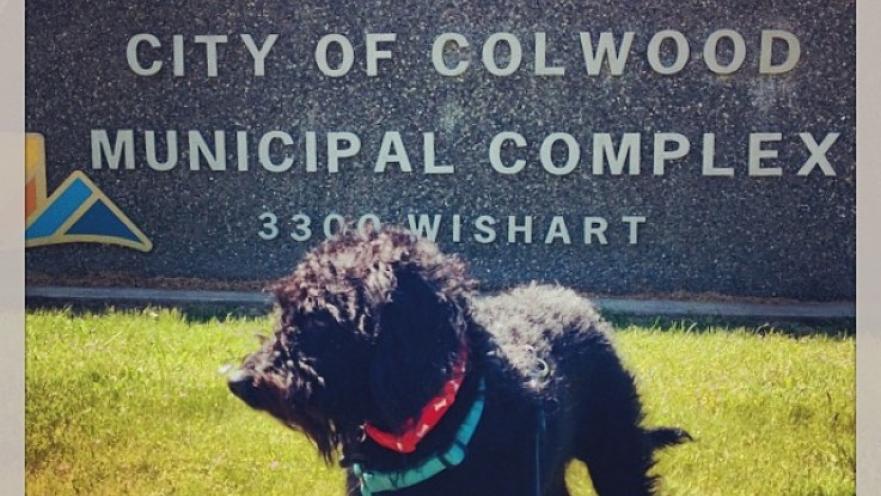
627,148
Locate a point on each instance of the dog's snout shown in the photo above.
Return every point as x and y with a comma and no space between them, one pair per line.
241,383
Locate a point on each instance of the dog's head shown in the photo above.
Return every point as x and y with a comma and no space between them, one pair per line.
369,328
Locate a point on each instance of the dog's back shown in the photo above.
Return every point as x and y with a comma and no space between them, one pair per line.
543,332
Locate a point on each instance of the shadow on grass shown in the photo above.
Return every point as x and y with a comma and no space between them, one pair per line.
202,312
191,312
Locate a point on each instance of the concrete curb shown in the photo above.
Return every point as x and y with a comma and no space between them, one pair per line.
56,295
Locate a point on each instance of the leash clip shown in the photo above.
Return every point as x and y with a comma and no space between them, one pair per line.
541,369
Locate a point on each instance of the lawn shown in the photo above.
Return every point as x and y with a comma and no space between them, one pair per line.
133,403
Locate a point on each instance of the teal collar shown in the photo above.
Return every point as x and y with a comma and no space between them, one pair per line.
374,482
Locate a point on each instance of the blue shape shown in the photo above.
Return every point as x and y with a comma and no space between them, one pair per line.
59,210
99,220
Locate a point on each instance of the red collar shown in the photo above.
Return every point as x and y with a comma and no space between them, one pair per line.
432,413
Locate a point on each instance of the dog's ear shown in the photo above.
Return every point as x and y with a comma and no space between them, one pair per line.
417,343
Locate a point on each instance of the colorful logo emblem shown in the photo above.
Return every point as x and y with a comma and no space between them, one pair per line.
76,212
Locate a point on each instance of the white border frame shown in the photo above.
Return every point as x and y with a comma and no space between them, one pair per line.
868,248
12,247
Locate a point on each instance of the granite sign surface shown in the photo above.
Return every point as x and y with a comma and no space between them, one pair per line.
672,147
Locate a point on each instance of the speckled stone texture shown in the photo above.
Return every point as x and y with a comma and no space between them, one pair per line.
789,237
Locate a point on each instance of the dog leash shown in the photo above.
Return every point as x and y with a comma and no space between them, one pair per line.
538,442
541,371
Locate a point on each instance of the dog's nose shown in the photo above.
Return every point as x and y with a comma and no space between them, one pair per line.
241,383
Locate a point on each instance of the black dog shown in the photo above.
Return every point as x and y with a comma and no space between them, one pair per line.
385,355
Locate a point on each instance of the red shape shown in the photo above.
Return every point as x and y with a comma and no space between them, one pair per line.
416,429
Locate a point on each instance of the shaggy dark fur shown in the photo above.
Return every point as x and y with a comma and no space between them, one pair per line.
370,326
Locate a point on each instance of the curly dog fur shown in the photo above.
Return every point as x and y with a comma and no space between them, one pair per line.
370,327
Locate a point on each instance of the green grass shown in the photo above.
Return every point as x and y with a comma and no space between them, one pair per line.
132,403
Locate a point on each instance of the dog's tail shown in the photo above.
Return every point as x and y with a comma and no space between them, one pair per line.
668,436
